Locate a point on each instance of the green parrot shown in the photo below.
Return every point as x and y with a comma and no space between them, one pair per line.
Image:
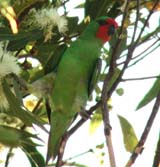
74,79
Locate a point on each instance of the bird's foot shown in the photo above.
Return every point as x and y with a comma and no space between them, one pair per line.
84,114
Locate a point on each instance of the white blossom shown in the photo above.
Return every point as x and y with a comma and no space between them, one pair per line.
46,19
8,64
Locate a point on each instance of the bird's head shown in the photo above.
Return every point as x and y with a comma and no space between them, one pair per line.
107,27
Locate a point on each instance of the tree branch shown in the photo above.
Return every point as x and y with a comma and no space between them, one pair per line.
156,162
139,148
106,95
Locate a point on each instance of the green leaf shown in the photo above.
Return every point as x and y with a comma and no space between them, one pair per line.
45,51
151,94
97,89
72,25
51,63
19,40
120,91
95,121
34,156
14,137
50,55
9,137
129,137
100,146
80,6
102,6
35,74
22,7
16,110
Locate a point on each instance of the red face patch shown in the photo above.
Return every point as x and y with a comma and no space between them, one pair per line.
112,22
104,31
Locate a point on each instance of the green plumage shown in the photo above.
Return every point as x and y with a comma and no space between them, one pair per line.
71,89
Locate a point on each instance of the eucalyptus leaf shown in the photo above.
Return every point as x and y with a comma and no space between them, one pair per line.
15,137
22,6
16,109
151,94
72,25
101,5
19,40
129,136
53,60
34,156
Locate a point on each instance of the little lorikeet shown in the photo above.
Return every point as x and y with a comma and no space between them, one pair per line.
73,79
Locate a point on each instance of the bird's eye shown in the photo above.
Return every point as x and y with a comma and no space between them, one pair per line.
111,30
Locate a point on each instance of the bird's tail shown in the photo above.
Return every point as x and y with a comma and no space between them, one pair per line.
59,124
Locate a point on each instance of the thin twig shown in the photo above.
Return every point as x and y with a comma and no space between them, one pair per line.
149,36
138,79
145,23
78,155
64,6
139,148
143,56
9,155
146,49
140,54
136,22
64,2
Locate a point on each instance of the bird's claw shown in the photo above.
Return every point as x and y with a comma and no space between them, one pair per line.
84,115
